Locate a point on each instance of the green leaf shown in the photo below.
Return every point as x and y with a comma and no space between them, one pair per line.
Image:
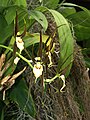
87,45
82,32
66,11
2,115
4,3
41,8
31,39
10,14
3,23
6,32
40,17
20,3
87,61
74,5
22,13
80,18
66,42
81,24
11,45
2,105
21,95
86,50
51,4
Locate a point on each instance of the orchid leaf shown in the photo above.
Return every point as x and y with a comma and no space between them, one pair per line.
20,94
74,5
20,3
80,18
6,32
4,3
40,17
82,32
34,38
66,11
52,4
10,14
2,105
65,40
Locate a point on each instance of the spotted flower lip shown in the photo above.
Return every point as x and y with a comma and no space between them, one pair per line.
20,43
37,69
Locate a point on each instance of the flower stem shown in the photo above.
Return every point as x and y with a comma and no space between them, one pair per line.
23,58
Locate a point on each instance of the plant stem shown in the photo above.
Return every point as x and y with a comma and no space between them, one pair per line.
23,58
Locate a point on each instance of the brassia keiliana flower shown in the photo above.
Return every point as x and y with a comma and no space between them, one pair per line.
19,43
37,70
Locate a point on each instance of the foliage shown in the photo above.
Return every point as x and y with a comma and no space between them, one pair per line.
68,25
81,27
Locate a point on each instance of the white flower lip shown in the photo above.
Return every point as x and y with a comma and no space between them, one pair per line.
16,60
37,70
19,43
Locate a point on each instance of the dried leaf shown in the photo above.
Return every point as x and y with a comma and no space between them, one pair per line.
1,88
5,79
2,59
8,81
4,95
17,74
11,81
9,84
4,69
